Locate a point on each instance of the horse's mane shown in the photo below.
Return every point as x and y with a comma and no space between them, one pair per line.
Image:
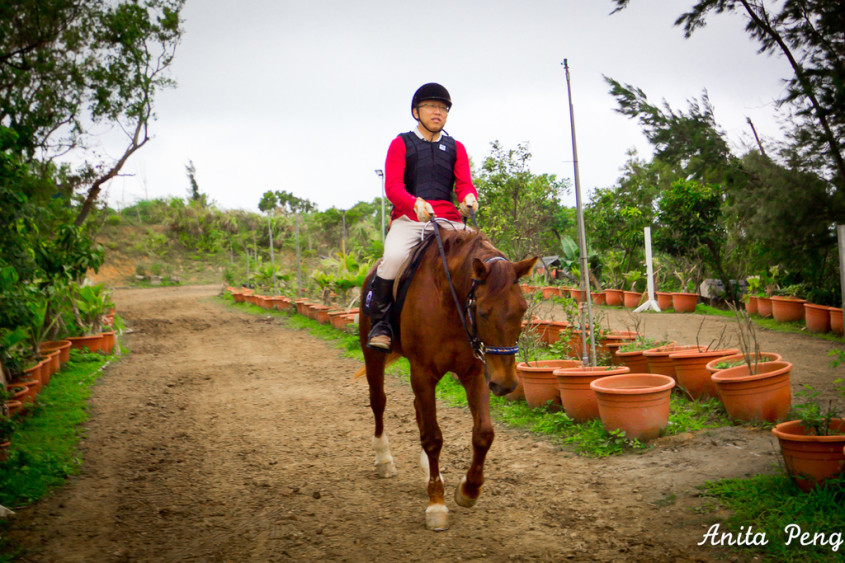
475,244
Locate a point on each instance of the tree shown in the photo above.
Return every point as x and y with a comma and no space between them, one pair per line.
691,142
194,190
70,67
810,34
520,210
691,225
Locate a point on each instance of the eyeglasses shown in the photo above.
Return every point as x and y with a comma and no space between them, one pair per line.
436,107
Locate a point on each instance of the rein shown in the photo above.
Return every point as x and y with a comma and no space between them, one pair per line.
467,313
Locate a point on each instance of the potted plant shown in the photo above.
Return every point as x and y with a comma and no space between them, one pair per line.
631,353
685,300
756,390
89,304
788,306
632,296
576,396
813,445
754,287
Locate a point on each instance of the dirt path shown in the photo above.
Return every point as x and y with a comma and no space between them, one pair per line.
229,437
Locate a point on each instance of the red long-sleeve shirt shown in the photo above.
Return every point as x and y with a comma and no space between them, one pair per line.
403,202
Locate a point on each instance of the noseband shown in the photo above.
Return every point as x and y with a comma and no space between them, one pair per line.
468,311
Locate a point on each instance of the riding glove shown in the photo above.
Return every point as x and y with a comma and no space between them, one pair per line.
423,209
469,202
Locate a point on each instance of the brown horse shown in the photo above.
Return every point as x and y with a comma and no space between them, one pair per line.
435,342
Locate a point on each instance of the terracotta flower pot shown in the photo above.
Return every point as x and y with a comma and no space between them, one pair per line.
321,314
684,302
281,303
576,396
817,317
302,307
608,343
787,309
549,291
664,300
637,403
691,371
239,296
33,388
91,342
598,298
765,395
631,299
764,307
63,346
579,295
109,341
552,330
52,366
539,382
761,358
659,360
635,360
811,459
836,324
751,305
614,297
14,407
17,392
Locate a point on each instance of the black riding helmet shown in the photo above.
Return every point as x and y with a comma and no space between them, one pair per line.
431,91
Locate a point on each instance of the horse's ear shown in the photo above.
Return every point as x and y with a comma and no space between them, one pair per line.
480,270
524,267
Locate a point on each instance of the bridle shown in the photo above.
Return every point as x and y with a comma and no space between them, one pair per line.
467,313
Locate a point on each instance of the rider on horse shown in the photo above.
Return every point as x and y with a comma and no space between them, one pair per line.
424,170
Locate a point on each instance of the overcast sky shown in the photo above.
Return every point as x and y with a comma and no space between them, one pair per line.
305,96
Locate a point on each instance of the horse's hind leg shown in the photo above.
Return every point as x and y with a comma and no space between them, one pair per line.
375,362
469,489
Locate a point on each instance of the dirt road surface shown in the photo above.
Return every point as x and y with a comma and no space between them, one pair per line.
225,436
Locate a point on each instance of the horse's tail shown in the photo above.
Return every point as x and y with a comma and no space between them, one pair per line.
391,357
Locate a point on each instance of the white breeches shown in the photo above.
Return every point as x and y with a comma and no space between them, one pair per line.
404,235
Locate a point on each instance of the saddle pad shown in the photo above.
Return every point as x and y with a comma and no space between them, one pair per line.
403,282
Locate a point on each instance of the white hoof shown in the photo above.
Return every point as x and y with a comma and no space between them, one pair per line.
386,470
384,460
437,517
462,500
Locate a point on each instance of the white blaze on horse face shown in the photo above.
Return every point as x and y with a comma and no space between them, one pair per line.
384,460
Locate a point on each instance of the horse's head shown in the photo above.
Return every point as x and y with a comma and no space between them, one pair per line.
499,307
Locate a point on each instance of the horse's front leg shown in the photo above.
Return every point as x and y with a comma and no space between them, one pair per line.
478,397
423,383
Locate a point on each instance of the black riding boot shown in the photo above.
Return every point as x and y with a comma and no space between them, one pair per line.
378,307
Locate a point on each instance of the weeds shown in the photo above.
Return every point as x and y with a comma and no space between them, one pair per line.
43,449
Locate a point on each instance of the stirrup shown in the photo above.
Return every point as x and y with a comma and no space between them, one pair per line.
380,337
380,342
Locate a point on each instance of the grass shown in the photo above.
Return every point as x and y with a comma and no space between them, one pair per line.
774,505
588,438
44,446
768,503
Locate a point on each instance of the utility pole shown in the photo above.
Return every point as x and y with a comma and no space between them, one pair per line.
272,257
298,261
582,237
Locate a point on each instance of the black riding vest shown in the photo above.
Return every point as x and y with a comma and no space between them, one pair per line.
429,167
